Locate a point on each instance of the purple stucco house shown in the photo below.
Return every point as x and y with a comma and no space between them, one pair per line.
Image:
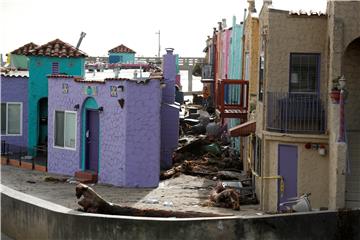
113,126
14,107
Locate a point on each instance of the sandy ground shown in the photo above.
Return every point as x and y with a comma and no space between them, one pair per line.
184,193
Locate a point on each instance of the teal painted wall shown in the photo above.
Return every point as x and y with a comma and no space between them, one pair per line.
39,68
19,61
121,57
235,71
89,103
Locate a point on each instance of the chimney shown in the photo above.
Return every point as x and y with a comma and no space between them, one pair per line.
220,26
223,23
251,6
267,3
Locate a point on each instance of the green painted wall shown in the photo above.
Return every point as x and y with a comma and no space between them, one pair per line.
39,68
121,57
89,103
19,61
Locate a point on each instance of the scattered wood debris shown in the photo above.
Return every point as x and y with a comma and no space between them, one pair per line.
224,197
92,202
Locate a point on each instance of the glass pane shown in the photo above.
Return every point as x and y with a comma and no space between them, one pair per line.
59,129
70,123
3,118
14,118
304,73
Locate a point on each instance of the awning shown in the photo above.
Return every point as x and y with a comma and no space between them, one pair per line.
243,130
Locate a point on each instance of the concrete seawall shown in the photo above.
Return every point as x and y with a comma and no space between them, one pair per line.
27,217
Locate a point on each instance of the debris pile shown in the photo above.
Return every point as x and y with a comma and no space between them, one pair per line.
92,202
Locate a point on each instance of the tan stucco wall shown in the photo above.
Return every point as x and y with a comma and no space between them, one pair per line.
293,34
312,169
343,28
251,46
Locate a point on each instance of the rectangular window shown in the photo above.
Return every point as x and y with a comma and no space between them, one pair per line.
11,118
3,118
247,66
261,77
65,129
304,73
55,68
258,156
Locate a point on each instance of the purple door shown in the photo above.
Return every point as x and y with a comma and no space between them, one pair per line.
92,140
288,158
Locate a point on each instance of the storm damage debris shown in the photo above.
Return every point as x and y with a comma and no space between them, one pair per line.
224,197
91,202
199,156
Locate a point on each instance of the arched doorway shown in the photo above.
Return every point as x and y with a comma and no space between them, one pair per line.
351,71
90,132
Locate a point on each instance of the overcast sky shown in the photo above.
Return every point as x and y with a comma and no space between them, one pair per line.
184,24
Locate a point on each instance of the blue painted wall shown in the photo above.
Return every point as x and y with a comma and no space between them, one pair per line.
121,57
235,70
39,68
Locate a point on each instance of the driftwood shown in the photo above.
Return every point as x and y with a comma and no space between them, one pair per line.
94,203
224,197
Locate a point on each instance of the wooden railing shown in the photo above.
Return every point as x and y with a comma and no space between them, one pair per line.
232,98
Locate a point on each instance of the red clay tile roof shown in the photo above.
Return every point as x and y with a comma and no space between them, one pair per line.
121,49
24,50
57,48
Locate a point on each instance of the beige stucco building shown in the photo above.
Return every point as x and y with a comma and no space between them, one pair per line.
297,146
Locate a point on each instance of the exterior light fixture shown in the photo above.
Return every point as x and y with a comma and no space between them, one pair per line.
76,107
342,82
121,102
101,109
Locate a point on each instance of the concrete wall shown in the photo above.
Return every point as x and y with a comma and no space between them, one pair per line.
15,89
129,136
28,217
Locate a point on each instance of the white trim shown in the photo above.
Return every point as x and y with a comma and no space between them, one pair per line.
7,120
54,126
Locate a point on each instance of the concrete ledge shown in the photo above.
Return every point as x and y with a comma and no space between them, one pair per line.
27,217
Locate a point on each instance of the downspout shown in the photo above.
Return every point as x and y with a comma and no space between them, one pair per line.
214,67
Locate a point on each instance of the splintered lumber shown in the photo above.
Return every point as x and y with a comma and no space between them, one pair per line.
92,202
224,197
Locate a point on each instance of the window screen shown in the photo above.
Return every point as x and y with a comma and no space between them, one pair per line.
304,72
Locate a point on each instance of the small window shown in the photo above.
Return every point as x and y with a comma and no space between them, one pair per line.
261,77
304,73
65,129
11,119
258,156
247,66
55,68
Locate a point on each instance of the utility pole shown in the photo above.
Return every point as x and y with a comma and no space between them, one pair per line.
159,43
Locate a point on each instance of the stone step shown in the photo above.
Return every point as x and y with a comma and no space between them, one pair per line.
86,176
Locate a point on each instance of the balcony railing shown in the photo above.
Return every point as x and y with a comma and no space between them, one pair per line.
232,98
296,113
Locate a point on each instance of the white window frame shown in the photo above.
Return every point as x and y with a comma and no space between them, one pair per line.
54,126
7,119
